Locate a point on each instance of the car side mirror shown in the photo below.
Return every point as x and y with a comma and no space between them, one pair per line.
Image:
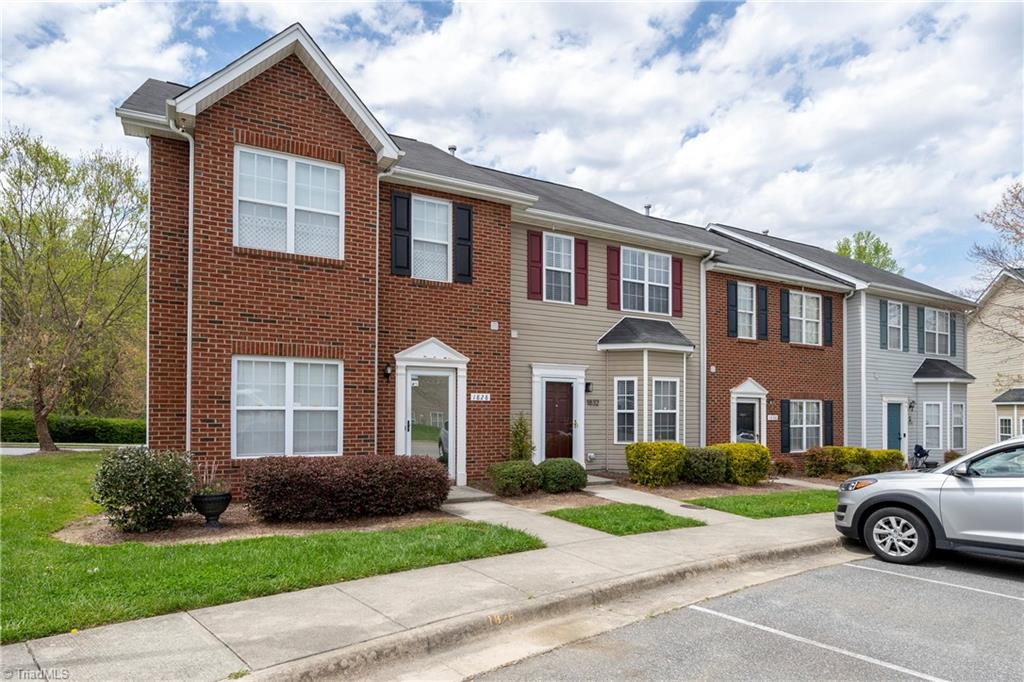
961,470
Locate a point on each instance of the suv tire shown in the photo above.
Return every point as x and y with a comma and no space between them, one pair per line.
897,535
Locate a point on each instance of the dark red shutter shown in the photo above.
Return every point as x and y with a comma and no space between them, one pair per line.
534,265
677,287
580,261
613,277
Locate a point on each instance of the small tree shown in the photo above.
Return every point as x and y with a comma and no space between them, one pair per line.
520,443
867,247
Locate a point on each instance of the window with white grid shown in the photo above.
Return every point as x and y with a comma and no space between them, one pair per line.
625,409
936,331
286,407
804,318
894,322
558,268
804,425
284,203
932,425
431,239
646,281
666,409
746,324
1006,428
958,424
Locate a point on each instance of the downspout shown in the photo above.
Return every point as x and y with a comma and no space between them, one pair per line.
703,402
846,347
864,370
376,319
188,305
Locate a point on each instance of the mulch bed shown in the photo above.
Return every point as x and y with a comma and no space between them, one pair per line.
688,491
541,501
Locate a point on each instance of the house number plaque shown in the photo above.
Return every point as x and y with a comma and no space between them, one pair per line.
480,397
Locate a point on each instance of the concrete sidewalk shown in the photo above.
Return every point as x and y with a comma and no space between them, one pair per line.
338,628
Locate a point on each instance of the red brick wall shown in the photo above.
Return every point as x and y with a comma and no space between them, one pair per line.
460,315
788,371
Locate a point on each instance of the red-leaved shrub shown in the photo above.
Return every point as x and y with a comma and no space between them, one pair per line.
329,488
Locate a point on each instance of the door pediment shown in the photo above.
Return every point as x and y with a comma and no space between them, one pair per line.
750,388
433,351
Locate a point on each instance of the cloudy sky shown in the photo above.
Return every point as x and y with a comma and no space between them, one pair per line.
811,120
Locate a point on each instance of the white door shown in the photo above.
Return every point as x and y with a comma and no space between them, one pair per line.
430,416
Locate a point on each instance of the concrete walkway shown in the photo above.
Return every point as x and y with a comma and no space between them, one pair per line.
427,607
669,506
552,531
812,485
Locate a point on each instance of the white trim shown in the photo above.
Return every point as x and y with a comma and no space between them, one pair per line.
750,391
953,427
846,369
904,423
948,333
944,381
864,369
803,427
545,267
665,347
999,428
949,410
646,282
925,425
733,269
646,397
416,178
889,325
804,320
616,411
702,399
655,411
413,198
753,310
574,374
682,435
455,458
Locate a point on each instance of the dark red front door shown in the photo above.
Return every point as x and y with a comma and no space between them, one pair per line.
557,419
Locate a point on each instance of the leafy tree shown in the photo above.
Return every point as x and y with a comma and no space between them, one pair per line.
867,247
73,265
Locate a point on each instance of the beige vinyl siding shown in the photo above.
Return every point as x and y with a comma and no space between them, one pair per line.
568,334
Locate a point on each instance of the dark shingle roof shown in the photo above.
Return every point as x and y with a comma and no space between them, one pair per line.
1014,395
940,369
425,157
639,330
151,97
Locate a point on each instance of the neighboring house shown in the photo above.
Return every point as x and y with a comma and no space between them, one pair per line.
995,354
905,369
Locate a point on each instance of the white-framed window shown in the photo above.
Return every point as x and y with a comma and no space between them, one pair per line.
646,281
1021,432
804,425
625,409
285,406
558,268
290,204
746,307
1006,428
894,322
957,422
431,239
932,425
936,331
804,318
666,409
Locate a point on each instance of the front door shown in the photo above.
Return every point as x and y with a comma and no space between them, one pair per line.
558,419
746,422
431,416
894,426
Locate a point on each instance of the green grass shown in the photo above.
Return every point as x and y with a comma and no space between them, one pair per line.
51,587
425,432
624,519
770,505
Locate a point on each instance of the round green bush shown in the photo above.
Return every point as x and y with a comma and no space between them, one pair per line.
706,466
748,462
515,477
654,463
142,489
562,475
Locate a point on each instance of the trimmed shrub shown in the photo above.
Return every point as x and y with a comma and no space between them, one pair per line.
515,477
330,488
950,455
562,475
885,460
18,426
822,461
748,462
520,444
707,466
654,463
834,460
142,489
781,467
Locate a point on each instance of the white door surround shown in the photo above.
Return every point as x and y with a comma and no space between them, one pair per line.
432,354
574,374
904,423
750,391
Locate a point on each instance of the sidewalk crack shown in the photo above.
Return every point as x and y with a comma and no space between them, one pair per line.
226,645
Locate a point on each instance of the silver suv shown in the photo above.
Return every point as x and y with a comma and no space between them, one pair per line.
974,503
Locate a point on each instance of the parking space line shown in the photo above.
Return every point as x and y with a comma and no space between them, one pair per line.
820,645
935,582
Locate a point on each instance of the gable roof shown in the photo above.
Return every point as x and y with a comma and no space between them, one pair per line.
1004,274
934,369
1013,395
641,331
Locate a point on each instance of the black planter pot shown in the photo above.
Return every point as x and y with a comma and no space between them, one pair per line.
211,506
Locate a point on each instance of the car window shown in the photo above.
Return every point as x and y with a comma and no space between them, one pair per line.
1004,464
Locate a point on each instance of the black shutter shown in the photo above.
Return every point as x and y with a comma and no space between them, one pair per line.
906,328
826,422
730,301
952,334
784,423
784,319
401,234
826,310
883,324
920,329
463,227
762,312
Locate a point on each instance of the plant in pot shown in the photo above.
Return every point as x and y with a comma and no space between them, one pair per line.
212,496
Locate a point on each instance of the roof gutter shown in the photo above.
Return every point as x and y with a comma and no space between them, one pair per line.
476,190
777,277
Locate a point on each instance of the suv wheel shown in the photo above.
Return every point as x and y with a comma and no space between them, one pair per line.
898,535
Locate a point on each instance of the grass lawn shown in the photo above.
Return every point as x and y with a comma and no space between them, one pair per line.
426,432
770,505
51,587
624,519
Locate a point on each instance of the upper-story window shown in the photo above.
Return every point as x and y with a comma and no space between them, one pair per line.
746,320
289,204
558,268
431,239
894,321
646,281
804,318
936,331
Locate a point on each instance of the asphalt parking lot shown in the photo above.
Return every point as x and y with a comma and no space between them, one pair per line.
954,617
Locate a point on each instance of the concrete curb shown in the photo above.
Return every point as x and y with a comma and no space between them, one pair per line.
354,660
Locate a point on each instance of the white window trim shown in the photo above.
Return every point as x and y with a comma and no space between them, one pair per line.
890,325
655,411
803,427
937,333
413,238
617,411
953,425
802,321
925,425
646,281
546,267
289,205
289,406
753,310
999,428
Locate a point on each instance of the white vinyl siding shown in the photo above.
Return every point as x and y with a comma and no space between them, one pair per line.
746,317
932,426
625,410
894,316
288,204
646,281
431,239
936,331
804,318
558,268
958,423
804,425
666,409
1005,428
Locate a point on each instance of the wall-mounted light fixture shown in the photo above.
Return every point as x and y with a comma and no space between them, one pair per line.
387,370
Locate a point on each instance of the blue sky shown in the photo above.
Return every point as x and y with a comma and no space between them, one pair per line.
811,120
